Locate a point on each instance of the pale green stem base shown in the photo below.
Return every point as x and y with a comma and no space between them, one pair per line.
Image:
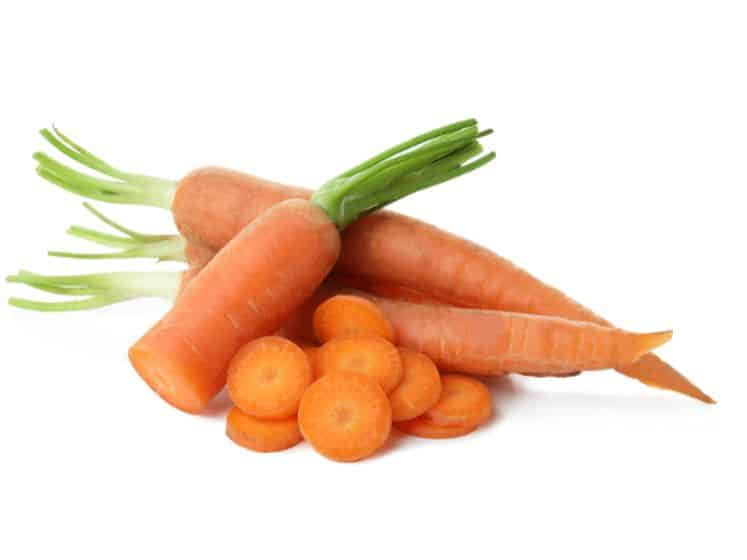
133,244
99,290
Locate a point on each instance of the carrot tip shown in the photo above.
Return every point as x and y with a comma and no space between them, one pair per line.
650,341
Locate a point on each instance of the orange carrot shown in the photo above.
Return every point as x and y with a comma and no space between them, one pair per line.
347,315
464,401
425,428
419,389
492,342
345,417
245,292
368,355
268,377
262,435
487,342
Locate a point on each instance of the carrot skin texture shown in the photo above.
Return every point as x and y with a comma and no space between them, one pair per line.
452,269
198,255
432,266
243,293
211,204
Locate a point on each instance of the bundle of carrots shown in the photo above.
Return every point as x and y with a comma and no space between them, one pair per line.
267,261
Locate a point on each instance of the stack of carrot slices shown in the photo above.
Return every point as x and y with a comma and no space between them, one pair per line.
344,396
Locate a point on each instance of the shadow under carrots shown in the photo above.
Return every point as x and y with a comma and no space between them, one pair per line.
219,406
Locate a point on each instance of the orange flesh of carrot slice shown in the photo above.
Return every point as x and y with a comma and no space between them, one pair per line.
346,315
262,435
419,389
425,428
370,356
268,377
345,417
464,402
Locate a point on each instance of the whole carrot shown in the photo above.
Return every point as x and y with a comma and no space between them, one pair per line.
212,204
254,283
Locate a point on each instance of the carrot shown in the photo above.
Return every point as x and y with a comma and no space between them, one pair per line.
261,434
492,342
254,283
211,205
244,293
345,417
419,389
464,401
268,377
346,315
371,356
425,428
487,342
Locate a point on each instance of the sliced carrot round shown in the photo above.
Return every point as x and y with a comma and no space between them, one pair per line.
419,389
346,315
268,377
262,435
345,417
423,427
367,355
464,401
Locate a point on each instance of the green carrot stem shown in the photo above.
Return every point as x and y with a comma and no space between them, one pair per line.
421,162
121,187
102,289
134,244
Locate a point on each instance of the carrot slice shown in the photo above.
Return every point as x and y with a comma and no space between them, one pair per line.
268,376
345,417
262,435
346,315
419,389
423,427
464,402
371,356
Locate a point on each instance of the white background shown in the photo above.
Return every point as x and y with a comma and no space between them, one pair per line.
620,177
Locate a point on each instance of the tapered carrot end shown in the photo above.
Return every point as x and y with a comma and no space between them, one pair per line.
650,341
654,372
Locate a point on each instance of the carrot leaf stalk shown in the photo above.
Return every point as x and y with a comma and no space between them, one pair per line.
95,290
419,163
133,244
118,186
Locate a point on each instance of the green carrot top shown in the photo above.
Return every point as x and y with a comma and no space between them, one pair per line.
421,162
